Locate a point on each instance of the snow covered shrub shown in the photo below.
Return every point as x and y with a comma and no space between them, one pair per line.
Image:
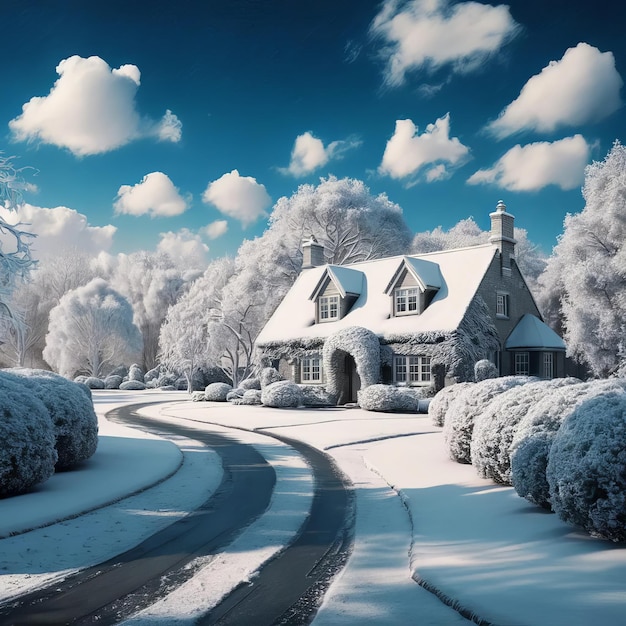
364,347
132,385
181,384
235,394
217,392
314,395
251,383
530,447
80,379
112,382
465,409
485,369
268,376
136,373
152,374
251,397
74,420
27,452
387,398
120,370
93,383
495,428
282,394
168,388
197,396
438,406
587,467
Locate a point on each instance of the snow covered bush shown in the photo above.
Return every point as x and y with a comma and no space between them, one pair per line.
251,383
152,374
314,395
387,398
364,347
250,397
80,379
217,392
112,382
198,396
27,451
268,376
282,394
93,383
74,421
132,385
136,373
530,447
235,394
495,428
485,369
467,406
439,405
587,467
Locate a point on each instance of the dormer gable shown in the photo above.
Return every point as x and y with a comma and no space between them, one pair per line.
336,291
413,286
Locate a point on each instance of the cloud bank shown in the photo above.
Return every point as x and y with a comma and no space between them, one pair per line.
430,34
91,109
155,195
582,87
537,165
239,197
309,153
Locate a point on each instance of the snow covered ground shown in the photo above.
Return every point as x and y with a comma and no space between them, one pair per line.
419,516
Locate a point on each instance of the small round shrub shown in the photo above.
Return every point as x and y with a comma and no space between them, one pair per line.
315,395
465,409
495,428
235,394
587,467
120,370
282,394
93,383
251,397
80,379
112,382
268,376
27,442
197,396
152,374
530,447
132,385
439,405
485,369
136,373
168,388
251,383
386,398
217,392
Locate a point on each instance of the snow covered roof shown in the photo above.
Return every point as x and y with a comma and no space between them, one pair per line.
346,280
460,274
532,334
426,273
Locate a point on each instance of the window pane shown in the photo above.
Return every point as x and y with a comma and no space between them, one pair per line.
425,368
400,367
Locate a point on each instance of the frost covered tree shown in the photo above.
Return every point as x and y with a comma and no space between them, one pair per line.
587,271
91,330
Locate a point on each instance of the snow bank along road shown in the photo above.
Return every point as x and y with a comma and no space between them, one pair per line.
286,588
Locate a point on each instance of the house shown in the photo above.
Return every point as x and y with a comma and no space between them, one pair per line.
427,318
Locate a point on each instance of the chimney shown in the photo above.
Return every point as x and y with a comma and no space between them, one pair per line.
502,236
312,253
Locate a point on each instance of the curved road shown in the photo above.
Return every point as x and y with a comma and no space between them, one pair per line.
288,588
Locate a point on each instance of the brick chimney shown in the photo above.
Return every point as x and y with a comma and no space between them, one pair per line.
502,236
312,253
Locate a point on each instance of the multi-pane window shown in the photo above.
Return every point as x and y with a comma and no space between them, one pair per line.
407,300
502,305
522,365
328,308
411,369
548,365
311,369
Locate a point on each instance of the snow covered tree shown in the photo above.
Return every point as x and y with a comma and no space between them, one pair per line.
91,330
587,272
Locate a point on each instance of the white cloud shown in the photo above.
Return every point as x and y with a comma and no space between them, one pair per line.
184,246
309,153
90,109
408,152
239,197
430,34
583,86
216,229
537,165
154,195
60,228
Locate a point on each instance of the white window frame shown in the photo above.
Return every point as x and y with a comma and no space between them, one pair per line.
311,372
502,305
522,363
406,301
328,308
412,370
548,365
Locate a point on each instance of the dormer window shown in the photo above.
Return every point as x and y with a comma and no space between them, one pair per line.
502,305
407,301
328,308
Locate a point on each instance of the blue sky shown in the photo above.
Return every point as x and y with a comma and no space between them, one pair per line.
180,124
